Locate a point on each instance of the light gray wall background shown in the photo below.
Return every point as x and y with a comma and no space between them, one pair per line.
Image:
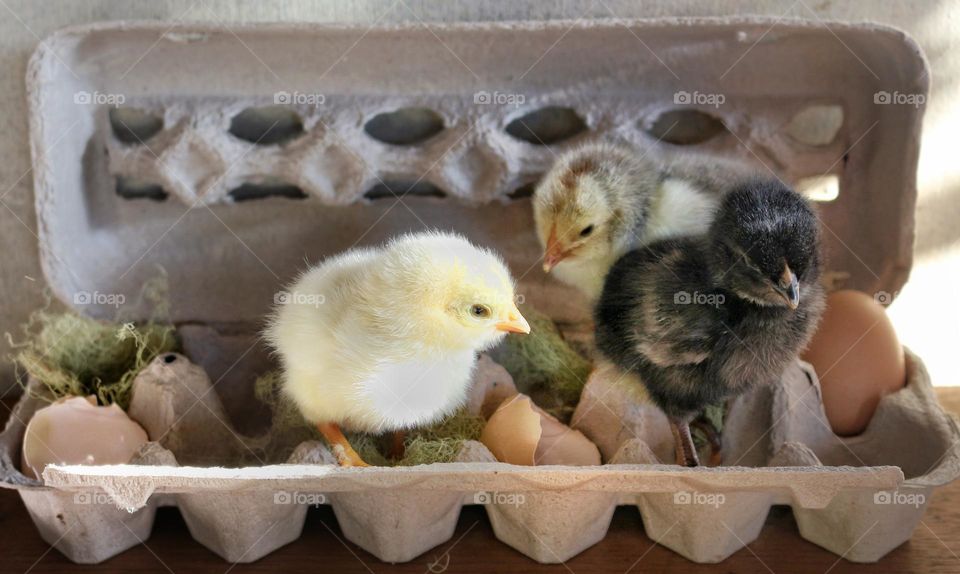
926,313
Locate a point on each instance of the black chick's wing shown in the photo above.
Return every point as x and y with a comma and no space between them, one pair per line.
660,317
656,307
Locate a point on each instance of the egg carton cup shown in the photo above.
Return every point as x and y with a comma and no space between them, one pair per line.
117,196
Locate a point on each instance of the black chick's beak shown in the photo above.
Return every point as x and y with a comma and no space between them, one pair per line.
790,287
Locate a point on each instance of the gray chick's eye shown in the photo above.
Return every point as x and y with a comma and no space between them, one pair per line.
480,311
586,231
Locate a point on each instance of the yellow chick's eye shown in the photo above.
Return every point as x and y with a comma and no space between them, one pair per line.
479,311
586,230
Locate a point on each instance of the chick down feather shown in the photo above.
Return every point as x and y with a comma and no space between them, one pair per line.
380,339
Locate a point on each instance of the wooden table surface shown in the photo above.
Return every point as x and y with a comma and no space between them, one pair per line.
935,546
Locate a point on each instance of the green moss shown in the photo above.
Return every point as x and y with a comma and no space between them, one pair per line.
368,447
420,451
73,355
288,427
544,366
460,425
440,442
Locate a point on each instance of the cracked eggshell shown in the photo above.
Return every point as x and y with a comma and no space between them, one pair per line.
77,431
560,444
519,432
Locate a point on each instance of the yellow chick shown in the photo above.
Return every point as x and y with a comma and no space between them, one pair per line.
601,200
385,339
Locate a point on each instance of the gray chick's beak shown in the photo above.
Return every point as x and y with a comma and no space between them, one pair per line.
791,287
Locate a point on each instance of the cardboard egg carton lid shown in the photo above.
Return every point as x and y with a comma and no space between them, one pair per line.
138,161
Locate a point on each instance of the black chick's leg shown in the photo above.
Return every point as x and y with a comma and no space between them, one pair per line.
683,442
713,439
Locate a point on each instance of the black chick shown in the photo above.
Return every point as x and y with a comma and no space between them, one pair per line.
703,319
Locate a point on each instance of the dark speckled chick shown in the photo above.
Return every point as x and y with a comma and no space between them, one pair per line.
703,319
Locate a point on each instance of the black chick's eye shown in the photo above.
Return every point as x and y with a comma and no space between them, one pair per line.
586,231
480,311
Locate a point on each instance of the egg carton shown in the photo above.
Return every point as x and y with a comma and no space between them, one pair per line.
842,497
207,193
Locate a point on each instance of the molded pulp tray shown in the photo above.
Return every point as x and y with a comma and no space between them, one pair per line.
857,497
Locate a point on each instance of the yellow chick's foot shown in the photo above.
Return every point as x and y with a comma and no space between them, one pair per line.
345,454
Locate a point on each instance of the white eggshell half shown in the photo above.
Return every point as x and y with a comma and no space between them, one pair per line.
77,431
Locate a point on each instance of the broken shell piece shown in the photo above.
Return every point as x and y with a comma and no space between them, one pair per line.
615,408
77,431
519,432
560,444
794,454
634,451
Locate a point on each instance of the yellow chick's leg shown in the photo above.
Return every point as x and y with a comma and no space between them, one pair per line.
345,454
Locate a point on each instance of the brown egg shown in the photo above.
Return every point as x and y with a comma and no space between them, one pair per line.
858,358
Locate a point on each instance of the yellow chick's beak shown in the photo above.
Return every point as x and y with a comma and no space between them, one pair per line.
514,323
555,253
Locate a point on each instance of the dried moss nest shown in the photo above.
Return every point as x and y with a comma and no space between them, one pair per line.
440,442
